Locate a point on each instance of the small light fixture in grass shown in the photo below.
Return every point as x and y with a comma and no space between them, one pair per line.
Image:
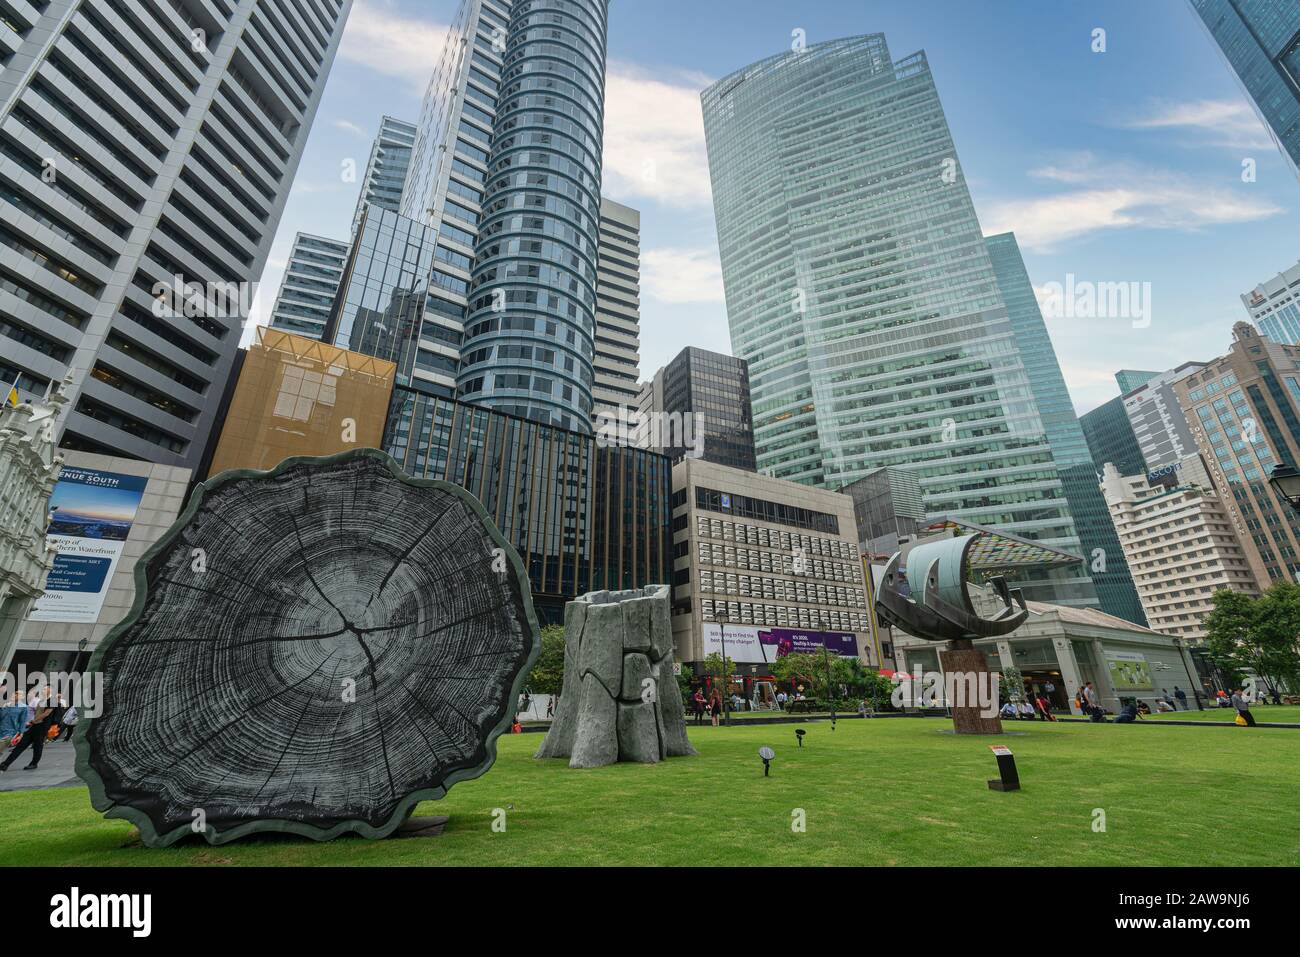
799,733
767,754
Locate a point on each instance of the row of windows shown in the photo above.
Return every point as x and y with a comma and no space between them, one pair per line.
777,563
781,616
729,584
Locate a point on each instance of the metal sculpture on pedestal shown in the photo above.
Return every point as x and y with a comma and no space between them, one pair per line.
313,649
620,701
929,598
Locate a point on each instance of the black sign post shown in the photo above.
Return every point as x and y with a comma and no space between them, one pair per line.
1010,780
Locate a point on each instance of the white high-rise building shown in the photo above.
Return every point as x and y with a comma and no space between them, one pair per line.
387,168
311,281
618,308
144,146
1274,306
1180,545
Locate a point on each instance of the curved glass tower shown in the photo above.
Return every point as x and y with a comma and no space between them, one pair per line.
530,327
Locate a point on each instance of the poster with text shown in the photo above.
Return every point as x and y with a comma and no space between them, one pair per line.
752,644
92,516
1129,671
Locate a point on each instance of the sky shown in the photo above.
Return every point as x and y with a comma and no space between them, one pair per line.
1119,165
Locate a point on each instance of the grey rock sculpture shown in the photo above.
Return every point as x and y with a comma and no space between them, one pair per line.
621,701
314,650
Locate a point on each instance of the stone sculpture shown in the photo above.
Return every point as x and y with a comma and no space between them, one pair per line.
313,649
620,700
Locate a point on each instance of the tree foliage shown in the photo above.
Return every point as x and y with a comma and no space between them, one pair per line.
1257,634
547,676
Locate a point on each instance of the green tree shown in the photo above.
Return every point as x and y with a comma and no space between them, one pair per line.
1261,634
1012,684
684,681
721,669
802,669
547,676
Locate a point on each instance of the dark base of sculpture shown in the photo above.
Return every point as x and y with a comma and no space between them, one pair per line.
422,827
963,658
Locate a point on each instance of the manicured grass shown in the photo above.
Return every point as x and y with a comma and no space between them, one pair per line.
1280,713
878,792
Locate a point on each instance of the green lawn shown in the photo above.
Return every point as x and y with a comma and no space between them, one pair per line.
1280,713
884,792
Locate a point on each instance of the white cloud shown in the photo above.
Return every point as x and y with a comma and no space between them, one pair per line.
1230,123
404,47
1118,195
654,138
679,275
347,126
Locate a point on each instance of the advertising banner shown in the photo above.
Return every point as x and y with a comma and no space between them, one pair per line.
93,512
1129,671
752,644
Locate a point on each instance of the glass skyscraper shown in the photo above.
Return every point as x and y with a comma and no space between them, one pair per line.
390,161
860,291
1261,41
1092,518
530,330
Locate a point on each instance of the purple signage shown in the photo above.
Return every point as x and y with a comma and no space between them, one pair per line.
779,642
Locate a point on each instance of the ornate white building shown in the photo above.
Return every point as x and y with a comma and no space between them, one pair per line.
29,467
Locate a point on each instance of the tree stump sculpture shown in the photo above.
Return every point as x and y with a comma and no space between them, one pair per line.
620,701
313,649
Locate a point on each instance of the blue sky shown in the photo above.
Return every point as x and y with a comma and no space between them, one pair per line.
1121,166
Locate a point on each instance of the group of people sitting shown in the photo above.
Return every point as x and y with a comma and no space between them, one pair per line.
1029,709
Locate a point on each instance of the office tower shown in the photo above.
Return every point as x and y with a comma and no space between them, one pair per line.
1156,416
774,562
584,516
1244,413
390,161
1180,545
311,281
1274,306
147,146
860,290
1130,379
618,308
1110,438
1070,452
697,406
383,302
888,508
1260,39
530,331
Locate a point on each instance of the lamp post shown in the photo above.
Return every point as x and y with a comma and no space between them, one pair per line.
1285,480
726,704
826,660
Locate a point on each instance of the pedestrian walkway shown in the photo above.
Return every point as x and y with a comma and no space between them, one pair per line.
57,770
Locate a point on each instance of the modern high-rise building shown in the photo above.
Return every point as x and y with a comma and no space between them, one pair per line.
584,516
618,308
1180,546
1111,438
1156,416
697,406
148,149
530,330
1274,306
1260,39
861,293
390,161
1244,412
311,281
1130,379
1070,452
888,508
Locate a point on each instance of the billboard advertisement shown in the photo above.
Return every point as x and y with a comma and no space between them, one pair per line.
758,644
92,516
1129,671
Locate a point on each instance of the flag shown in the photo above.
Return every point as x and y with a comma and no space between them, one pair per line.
12,397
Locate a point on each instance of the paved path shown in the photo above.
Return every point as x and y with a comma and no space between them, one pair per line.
57,770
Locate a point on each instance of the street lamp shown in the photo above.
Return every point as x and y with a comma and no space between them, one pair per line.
826,660
726,704
1285,480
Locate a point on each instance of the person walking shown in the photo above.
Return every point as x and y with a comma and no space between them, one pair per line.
697,705
1181,697
38,726
1243,707
550,706
1090,701
715,706
69,724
